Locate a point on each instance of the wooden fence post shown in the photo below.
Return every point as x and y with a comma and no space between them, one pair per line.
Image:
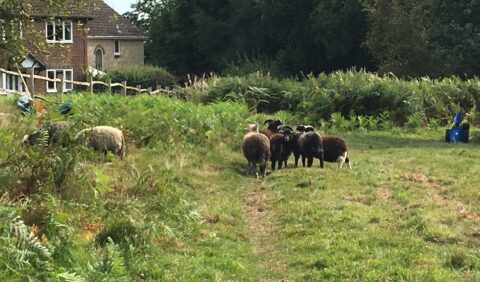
90,81
139,87
149,89
62,83
124,88
31,82
109,82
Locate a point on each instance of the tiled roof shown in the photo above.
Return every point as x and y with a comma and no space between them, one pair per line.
107,23
103,20
67,8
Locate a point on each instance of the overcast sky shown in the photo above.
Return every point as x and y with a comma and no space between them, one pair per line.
121,6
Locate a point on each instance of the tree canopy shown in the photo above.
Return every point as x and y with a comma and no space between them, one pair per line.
408,38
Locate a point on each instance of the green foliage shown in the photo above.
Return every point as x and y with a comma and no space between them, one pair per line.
416,38
359,96
146,76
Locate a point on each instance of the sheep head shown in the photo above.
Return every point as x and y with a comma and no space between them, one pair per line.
252,128
273,124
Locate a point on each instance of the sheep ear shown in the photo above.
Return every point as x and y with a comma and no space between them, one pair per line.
278,122
268,121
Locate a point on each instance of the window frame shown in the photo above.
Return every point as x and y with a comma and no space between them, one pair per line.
102,55
65,84
54,31
115,53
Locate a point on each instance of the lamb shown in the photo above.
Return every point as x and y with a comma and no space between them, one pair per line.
256,149
272,127
280,146
311,146
106,139
335,150
57,133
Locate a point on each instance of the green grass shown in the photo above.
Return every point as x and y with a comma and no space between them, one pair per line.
183,209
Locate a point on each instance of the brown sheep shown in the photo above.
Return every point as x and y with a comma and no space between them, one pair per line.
311,146
335,150
256,149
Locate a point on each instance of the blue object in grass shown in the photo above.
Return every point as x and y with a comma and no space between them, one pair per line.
66,107
457,119
24,104
459,132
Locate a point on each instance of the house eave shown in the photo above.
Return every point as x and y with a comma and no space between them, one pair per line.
139,38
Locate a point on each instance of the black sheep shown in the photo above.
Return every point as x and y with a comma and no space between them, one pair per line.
280,147
311,146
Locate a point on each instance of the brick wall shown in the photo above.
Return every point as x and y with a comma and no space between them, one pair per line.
59,55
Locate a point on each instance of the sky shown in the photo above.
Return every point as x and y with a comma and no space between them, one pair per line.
121,6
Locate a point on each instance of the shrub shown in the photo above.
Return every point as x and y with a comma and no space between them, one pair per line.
146,76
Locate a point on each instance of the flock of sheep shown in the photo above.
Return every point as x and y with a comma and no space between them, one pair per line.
101,138
278,142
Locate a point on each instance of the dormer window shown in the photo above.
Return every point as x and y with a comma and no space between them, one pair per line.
116,51
59,31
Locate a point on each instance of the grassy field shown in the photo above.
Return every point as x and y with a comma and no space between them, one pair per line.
181,208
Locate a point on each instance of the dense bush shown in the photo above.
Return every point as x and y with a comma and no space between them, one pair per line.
146,76
352,93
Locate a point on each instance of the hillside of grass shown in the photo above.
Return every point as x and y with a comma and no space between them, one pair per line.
180,206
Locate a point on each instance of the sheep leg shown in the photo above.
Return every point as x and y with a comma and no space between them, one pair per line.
280,164
273,165
347,160
341,160
263,170
310,161
296,159
303,160
321,160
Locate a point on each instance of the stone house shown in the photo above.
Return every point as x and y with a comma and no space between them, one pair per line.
65,42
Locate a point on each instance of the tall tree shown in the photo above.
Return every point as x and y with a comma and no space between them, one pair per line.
425,37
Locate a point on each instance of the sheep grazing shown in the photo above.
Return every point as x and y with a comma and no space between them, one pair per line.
256,149
311,146
57,133
335,150
272,127
280,147
294,144
106,139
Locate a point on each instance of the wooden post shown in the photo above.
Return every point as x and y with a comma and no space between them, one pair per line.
62,83
149,89
31,84
124,88
109,82
139,87
159,87
90,81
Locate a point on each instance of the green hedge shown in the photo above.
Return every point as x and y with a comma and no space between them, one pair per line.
146,76
351,93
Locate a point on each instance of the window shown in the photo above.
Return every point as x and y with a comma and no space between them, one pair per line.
117,48
13,82
59,32
57,74
3,79
99,59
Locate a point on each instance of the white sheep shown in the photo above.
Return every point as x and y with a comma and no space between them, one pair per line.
106,139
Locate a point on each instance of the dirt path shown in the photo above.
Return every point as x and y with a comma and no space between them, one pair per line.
260,217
